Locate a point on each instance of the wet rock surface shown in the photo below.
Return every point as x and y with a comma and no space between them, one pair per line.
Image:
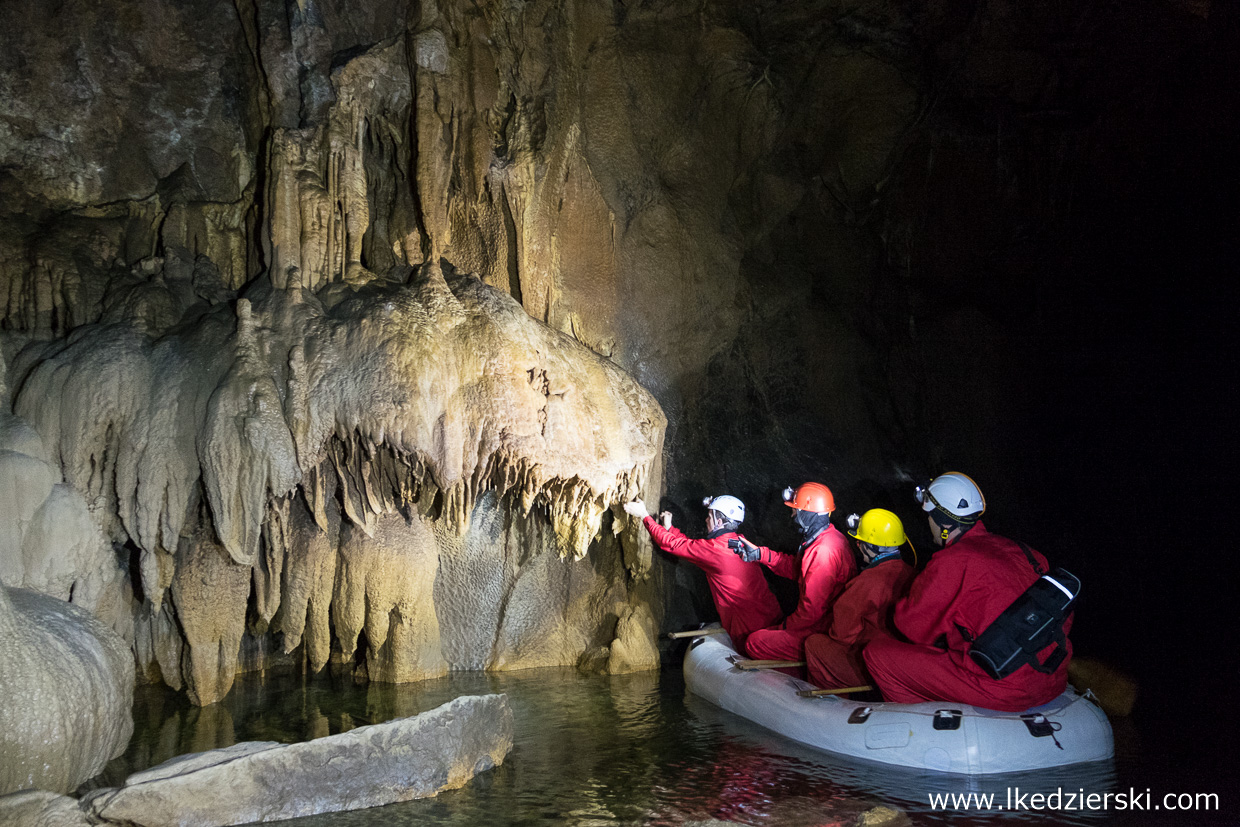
370,766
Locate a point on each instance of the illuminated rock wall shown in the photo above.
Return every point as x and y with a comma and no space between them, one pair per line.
335,316
334,456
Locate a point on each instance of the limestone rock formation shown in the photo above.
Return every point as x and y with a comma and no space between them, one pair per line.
49,542
39,808
370,766
394,404
67,685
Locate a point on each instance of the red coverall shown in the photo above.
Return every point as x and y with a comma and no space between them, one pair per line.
823,567
861,612
963,589
742,597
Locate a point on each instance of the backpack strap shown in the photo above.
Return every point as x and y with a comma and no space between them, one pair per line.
1030,558
1061,650
1054,658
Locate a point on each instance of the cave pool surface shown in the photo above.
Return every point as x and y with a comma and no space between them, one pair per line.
588,750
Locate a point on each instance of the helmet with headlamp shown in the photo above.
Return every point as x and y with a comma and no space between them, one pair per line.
810,496
881,531
953,500
728,506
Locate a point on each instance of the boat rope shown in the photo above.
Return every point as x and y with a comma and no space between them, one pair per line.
1015,716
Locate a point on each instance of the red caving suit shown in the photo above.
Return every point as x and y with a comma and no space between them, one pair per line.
742,597
861,612
822,569
964,587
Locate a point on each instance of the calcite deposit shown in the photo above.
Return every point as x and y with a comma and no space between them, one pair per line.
67,686
294,441
301,355
49,541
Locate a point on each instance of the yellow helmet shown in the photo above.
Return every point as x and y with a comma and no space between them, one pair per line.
878,526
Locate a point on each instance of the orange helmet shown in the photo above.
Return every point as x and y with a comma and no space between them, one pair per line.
811,496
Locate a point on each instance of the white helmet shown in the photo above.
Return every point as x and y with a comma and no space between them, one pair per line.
955,494
730,507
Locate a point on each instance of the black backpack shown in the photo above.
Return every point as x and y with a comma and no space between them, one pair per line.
1033,621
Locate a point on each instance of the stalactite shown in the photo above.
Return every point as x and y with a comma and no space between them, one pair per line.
158,644
269,567
103,385
404,405
309,576
389,575
247,451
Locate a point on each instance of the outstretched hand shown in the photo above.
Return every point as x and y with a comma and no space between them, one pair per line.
745,550
665,518
637,509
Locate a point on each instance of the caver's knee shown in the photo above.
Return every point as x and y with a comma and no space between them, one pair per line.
883,653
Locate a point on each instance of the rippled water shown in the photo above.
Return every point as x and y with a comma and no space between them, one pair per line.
589,750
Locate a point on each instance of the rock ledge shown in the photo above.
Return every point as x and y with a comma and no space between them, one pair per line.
370,766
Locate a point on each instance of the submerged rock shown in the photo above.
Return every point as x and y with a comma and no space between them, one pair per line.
67,683
882,815
370,766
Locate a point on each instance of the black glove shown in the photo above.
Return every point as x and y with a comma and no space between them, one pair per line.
747,552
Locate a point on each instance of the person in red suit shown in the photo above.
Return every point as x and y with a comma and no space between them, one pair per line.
741,594
864,608
966,585
821,567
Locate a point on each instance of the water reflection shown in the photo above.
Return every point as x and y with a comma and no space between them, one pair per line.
588,750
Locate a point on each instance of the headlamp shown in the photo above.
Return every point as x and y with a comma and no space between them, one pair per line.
854,520
788,492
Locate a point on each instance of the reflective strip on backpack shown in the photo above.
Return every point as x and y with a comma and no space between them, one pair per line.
1060,586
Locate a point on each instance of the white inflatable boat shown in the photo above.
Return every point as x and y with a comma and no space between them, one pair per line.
940,736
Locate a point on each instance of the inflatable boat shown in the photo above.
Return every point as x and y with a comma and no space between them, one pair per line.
939,736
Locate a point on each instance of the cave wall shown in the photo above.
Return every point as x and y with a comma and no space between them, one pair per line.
300,436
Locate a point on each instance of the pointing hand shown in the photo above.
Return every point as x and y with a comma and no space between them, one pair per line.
637,509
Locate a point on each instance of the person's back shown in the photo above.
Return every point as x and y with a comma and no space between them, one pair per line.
740,592
821,567
965,587
826,565
864,608
742,597
973,579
